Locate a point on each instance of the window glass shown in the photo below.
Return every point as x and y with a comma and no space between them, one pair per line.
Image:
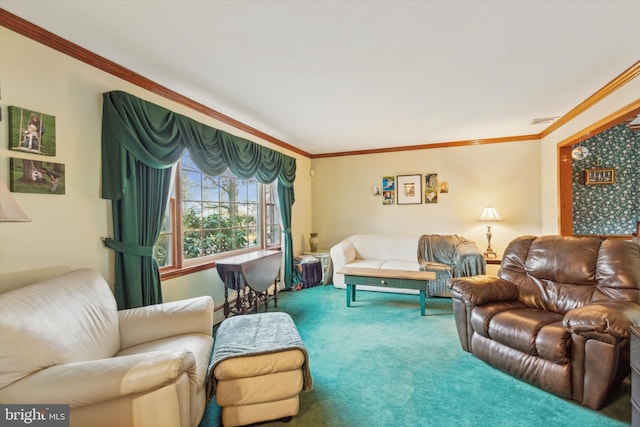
216,215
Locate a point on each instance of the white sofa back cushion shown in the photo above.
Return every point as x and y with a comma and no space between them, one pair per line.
385,247
80,304
395,252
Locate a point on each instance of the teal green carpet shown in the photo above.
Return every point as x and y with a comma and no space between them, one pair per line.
379,363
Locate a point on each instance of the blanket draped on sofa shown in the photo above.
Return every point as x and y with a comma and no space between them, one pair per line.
449,256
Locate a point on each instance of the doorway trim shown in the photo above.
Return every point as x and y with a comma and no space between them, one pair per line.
565,192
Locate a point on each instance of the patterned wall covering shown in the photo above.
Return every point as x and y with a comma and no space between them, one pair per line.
609,209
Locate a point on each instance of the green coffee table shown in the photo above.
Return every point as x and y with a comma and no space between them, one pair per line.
399,279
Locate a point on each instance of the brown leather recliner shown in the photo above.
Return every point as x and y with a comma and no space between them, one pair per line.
557,315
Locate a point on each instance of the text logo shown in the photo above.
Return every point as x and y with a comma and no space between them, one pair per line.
34,415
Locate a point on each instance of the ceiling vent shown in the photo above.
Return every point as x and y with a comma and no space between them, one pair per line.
543,120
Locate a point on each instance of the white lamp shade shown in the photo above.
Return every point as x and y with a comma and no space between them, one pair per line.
489,214
10,211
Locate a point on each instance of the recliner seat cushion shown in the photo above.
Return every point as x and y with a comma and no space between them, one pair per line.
535,332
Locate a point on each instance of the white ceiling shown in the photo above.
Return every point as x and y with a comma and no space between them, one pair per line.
334,76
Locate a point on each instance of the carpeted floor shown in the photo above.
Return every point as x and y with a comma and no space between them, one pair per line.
379,363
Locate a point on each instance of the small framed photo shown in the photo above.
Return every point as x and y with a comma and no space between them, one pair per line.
388,190
599,176
409,189
431,188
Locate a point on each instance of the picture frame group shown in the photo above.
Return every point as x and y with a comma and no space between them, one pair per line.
33,134
411,189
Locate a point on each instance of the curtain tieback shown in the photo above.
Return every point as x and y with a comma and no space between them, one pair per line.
127,248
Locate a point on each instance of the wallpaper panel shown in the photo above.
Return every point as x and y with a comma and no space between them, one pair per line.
610,208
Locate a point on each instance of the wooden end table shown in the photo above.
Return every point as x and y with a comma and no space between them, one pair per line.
399,279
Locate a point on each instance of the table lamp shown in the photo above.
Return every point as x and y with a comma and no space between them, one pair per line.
10,211
489,215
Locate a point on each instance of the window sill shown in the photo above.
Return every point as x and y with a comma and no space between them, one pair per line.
172,273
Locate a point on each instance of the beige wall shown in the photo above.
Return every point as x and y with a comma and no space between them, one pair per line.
505,175
66,230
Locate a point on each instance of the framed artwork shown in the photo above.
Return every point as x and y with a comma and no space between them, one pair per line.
31,131
409,189
34,176
388,190
599,176
431,188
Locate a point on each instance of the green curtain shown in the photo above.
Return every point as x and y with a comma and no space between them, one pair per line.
286,199
140,143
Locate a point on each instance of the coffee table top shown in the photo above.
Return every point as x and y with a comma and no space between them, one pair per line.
388,274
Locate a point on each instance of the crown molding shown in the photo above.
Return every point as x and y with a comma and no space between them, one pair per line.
624,78
28,29
464,143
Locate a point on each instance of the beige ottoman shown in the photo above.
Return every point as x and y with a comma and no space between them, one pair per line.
259,366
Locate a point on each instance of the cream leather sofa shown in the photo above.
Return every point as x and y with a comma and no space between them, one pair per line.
63,341
449,256
392,252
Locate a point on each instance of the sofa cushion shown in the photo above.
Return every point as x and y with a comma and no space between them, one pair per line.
366,263
70,318
386,247
401,265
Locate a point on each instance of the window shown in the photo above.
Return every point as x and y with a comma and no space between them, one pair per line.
214,215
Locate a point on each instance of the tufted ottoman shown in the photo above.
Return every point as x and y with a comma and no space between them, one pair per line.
258,368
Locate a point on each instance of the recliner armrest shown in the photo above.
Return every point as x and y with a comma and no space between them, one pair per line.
144,324
89,382
608,317
480,290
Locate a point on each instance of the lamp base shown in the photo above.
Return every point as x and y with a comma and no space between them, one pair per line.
489,253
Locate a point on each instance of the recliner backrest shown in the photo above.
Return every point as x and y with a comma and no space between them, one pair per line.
560,273
80,303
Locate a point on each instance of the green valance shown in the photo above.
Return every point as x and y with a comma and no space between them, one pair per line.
157,137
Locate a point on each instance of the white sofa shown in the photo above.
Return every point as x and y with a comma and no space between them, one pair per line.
375,251
448,256
63,341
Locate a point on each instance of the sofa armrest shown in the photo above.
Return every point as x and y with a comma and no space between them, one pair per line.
86,383
341,254
608,317
470,260
480,290
143,324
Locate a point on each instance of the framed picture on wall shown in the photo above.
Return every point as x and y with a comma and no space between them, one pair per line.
388,190
409,189
430,188
595,176
36,176
32,131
